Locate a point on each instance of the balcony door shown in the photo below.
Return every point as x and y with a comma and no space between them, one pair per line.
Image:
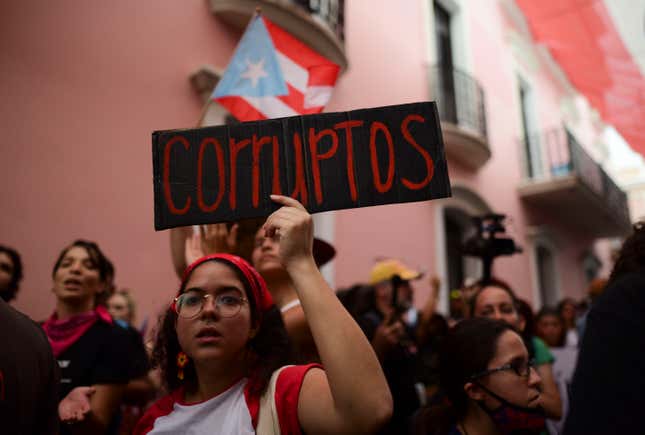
453,225
460,269
530,142
445,76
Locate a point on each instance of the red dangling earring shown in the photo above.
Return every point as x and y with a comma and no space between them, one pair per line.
182,360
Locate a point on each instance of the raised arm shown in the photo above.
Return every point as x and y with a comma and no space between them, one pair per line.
187,246
178,238
351,395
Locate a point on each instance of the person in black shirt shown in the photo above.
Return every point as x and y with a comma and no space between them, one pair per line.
28,377
92,352
608,384
392,338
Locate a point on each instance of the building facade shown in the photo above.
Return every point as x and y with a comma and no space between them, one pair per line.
85,85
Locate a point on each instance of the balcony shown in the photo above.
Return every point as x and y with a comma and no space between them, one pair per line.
561,179
318,24
460,101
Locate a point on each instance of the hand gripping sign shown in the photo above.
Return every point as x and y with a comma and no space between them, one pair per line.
327,161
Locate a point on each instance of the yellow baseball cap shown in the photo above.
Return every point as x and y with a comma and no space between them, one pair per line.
387,269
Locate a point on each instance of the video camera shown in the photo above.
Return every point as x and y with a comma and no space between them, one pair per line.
395,303
486,244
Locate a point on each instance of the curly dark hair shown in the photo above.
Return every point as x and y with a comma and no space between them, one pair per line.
14,284
631,257
271,347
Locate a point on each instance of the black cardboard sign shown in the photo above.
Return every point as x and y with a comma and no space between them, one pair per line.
328,161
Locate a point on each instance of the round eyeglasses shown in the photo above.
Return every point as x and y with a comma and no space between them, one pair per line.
521,368
191,303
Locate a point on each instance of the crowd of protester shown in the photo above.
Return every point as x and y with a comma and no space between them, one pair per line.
255,341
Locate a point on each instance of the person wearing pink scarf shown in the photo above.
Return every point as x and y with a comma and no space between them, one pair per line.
92,352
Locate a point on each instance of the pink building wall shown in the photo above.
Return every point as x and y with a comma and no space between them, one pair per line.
85,84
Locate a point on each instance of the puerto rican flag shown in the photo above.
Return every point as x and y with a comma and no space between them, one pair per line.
273,75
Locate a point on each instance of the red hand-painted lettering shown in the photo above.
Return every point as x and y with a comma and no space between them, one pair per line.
351,178
426,156
376,174
220,174
234,148
300,186
316,158
166,175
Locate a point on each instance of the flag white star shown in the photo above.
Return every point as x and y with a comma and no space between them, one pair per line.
254,71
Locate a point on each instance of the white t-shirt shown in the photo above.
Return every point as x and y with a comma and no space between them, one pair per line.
224,414
233,412
571,339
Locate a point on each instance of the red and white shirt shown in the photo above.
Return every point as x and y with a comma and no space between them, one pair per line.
234,411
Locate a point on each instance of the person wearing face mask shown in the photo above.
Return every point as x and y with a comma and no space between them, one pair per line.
92,352
222,349
496,300
487,380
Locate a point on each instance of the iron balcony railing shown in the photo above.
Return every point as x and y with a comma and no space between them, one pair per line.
556,153
460,99
330,12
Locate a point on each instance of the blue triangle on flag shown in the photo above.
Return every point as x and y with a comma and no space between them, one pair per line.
254,70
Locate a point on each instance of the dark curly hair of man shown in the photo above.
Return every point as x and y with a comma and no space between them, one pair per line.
631,257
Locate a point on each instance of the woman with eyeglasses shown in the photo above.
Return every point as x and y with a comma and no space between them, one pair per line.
246,239
223,349
486,375
92,352
496,300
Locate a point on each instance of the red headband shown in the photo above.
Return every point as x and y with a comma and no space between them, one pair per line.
254,281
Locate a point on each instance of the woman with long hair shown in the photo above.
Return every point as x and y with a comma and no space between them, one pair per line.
496,300
486,377
222,350
92,352
266,260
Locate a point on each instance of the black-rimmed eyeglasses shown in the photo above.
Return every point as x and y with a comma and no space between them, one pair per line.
521,367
